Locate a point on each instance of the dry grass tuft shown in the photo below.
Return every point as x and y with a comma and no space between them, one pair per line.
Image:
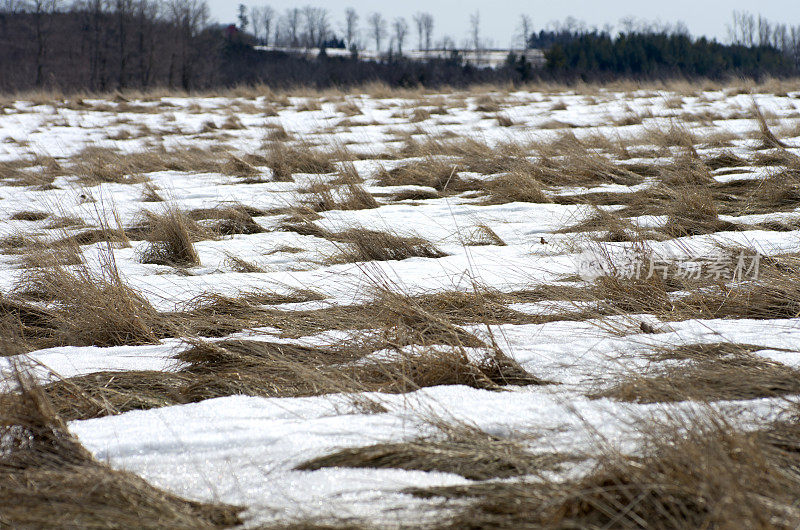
692,211
516,186
348,197
260,368
483,235
504,120
150,194
693,473
724,373
89,306
237,167
768,138
464,450
229,220
348,108
286,160
431,172
373,245
170,240
29,216
237,264
48,480
487,103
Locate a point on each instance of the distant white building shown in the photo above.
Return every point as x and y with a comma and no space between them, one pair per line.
491,58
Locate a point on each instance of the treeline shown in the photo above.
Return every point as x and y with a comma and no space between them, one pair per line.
103,45
757,47
598,55
100,45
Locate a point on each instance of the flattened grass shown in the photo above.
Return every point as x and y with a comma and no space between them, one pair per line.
47,479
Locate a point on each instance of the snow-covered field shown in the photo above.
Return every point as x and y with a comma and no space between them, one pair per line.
74,163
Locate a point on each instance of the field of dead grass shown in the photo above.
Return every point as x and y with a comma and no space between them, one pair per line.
617,265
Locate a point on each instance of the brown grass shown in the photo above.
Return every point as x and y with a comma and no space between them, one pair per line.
228,220
348,197
29,216
482,235
96,165
363,245
463,450
88,307
487,103
237,167
170,240
285,160
691,473
150,194
728,373
431,172
772,295
348,108
504,120
260,368
48,480
517,186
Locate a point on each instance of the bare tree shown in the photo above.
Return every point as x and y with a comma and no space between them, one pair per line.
447,43
748,23
188,18
43,11
475,34
267,18
12,7
350,26
424,26
145,14
418,24
309,26
377,25
261,19
428,29
400,27
764,31
525,30
124,12
315,26
292,22
255,21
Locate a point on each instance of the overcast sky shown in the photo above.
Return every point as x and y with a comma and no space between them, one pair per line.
499,18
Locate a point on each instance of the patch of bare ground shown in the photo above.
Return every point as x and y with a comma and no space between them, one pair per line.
698,472
48,480
460,449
